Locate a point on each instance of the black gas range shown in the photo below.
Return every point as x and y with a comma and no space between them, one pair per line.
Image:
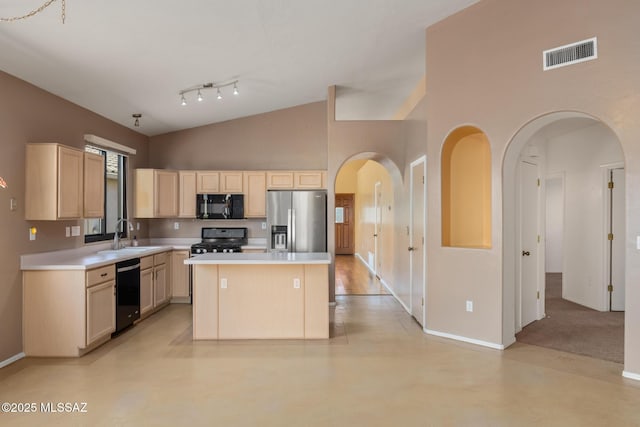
220,239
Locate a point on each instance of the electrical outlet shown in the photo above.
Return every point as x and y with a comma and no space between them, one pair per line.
32,233
264,227
469,306
13,204
75,230
296,283
137,226
67,232
176,226
223,283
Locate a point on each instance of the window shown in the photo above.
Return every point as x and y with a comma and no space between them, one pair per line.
115,203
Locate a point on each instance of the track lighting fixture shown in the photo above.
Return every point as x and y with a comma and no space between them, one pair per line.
199,88
137,117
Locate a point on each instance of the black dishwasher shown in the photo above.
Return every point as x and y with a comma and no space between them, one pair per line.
127,293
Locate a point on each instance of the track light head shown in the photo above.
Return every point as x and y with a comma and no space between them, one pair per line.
183,100
235,89
200,98
219,94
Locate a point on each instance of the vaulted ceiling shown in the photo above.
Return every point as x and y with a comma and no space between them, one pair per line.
121,57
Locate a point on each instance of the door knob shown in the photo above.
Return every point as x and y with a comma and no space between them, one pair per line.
526,253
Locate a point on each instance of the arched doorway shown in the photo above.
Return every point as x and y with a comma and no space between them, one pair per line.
560,256
364,222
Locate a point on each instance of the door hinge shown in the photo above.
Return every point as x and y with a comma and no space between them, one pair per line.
538,182
422,240
423,179
538,238
610,236
611,184
423,301
538,295
610,288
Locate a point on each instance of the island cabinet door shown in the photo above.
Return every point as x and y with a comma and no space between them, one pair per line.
261,301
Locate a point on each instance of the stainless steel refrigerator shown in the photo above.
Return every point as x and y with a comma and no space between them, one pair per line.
297,221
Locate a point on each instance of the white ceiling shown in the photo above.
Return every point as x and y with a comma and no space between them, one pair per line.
119,57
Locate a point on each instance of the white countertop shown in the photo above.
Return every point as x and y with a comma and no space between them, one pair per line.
75,259
262,258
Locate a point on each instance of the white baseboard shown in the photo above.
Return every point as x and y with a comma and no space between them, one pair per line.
631,375
385,284
366,264
12,359
465,339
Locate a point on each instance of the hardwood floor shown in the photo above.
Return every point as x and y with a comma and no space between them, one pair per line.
354,278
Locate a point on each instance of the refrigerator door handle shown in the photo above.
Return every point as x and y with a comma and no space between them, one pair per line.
293,230
289,230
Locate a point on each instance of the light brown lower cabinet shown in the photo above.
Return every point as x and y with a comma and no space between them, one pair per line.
146,291
179,277
260,301
67,312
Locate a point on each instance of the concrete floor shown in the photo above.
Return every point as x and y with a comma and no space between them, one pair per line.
378,369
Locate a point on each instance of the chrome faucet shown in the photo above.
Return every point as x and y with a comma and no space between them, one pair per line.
116,234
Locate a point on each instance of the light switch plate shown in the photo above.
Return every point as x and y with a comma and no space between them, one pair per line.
223,283
75,230
67,232
296,283
176,226
469,306
264,225
13,204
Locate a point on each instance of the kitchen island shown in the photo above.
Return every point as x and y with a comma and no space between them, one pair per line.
260,295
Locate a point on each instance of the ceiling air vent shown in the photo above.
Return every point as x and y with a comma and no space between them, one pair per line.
573,53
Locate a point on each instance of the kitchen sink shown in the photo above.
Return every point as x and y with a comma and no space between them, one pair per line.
130,250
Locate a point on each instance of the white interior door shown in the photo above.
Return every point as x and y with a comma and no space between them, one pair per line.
529,211
617,216
417,259
377,226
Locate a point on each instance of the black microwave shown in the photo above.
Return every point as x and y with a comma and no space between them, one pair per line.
220,206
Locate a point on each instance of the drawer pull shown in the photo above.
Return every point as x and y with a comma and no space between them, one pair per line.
104,275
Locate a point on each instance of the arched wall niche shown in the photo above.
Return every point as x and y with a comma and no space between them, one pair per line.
466,189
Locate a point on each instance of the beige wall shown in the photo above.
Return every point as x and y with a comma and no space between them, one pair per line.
29,114
293,138
368,175
347,179
498,85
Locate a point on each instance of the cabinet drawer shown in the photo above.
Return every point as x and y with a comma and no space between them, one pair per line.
146,262
100,275
160,258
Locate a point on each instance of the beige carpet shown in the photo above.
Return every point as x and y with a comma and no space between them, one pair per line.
574,328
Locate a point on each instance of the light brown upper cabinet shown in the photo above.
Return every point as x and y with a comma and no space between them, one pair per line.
207,182
231,182
300,180
255,191
187,194
156,193
309,179
93,185
53,182
279,180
